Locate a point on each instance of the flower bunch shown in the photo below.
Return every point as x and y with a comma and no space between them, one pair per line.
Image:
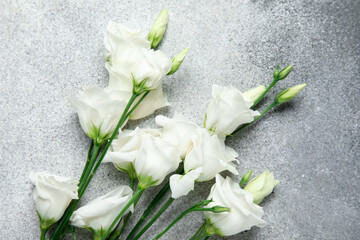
188,152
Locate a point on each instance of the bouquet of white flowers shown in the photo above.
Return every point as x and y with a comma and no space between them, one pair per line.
190,153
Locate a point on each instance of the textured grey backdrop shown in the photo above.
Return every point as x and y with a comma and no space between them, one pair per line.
52,49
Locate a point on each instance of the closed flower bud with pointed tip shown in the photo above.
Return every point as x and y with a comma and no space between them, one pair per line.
288,94
158,29
286,71
219,209
177,61
261,186
254,93
276,71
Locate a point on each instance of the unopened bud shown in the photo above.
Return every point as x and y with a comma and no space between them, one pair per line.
219,209
288,94
254,93
276,72
261,186
286,71
158,29
177,61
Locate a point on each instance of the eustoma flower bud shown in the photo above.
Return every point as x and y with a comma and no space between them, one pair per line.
261,186
52,196
289,93
177,61
98,214
285,72
158,29
243,212
254,93
228,109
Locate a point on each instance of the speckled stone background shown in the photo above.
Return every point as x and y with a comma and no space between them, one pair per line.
52,49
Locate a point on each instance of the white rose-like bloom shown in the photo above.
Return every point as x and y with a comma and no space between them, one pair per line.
124,150
143,151
243,212
129,55
99,111
208,157
119,38
141,65
228,109
98,215
155,160
52,195
178,131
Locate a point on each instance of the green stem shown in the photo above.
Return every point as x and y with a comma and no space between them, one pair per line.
65,218
149,209
194,208
43,233
60,228
87,162
198,231
161,194
120,123
275,80
255,119
158,214
202,236
137,104
131,182
94,156
117,234
134,199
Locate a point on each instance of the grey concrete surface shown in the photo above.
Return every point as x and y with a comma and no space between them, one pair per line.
52,49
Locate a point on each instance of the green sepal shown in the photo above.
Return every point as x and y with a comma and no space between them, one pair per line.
246,177
145,182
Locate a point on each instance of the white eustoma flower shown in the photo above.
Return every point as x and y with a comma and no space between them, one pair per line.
52,195
228,109
145,153
207,157
140,65
130,57
261,186
243,212
125,148
119,38
178,131
98,215
156,159
99,111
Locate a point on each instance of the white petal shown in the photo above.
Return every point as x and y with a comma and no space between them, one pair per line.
181,185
